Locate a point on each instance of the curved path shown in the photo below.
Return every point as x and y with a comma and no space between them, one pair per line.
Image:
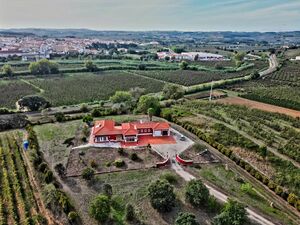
219,195
273,64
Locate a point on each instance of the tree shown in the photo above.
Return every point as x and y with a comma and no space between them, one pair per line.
196,193
7,70
129,212
33,103
161,195
107,190
151,113
172,91
196,57
88,173
100,208
255,75
87,119
186,219
239,58
232,213
121,96
183,65
90,66
146,102
137,92
44,66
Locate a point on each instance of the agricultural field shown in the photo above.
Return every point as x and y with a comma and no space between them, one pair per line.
12,90
88,87
17,201
281,88
276,130
188,77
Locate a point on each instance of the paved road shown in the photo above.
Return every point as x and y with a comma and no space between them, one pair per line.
273,64
217,194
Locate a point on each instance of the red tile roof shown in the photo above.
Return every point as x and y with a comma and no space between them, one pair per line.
108,127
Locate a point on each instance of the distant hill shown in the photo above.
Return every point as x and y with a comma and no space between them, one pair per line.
169,36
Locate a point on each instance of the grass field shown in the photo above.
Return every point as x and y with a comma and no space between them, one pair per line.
13,90
89,87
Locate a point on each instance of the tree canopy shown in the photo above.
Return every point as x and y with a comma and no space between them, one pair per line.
43,66
183,65
197,193
232,213
186,219
146,102
171,91
7,70
121,97
161,195
100,208
90,66
33,103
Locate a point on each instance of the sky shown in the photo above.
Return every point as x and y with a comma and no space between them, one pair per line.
136,15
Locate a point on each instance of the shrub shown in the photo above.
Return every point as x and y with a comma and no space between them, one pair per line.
272,185
129,212
278,190
72,216
171,178
121,151
134,157
60,117
88,173
84,108
119,163
93,164
42,167
292,199
48,176
297,205
100,208
161,195
196,193
186,219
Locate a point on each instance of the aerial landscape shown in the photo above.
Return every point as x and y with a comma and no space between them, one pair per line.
157,112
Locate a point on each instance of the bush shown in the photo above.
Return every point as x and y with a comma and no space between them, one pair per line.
48,176
161,195
196,193
72,216
119,163
129,212
42,167
88,173
186,219
292,199
107,190
84,108
279,190
99,208
134,157
93,164
171,178
121,151
60,117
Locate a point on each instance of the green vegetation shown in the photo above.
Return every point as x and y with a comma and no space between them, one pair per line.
17,200
281,88
186,219
42,67
88,87
100,208
232,213
13,90
197,193
161,196
7,70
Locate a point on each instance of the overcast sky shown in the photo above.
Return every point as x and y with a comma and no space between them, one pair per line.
189,15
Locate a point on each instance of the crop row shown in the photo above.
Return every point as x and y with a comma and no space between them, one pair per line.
17,196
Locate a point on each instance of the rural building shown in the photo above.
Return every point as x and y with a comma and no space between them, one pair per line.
191,56
108,131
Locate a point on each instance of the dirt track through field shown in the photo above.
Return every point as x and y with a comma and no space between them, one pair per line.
260,105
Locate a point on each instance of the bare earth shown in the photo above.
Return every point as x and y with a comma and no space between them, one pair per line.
260,105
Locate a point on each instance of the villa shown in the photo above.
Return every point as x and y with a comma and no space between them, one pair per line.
107,131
